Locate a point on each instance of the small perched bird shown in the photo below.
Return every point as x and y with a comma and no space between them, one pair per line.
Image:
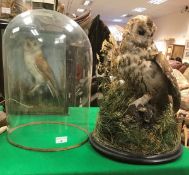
38,67
144,68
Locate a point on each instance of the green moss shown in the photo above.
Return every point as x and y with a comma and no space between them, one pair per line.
117,129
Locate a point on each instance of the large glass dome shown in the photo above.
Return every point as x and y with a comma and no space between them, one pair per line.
47,67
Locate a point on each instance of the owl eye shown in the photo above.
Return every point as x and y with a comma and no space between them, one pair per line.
141,31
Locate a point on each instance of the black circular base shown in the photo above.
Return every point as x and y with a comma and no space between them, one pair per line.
135,159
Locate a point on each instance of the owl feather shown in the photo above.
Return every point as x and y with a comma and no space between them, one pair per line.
143,68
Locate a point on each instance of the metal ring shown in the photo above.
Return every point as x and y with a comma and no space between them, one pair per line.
47,149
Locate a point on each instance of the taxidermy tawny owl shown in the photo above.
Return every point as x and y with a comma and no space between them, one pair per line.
38,67
144,69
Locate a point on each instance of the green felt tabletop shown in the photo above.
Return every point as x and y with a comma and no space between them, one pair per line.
82,160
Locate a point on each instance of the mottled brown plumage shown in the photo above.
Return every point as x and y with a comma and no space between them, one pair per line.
144,69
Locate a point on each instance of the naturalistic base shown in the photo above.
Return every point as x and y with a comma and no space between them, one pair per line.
132,158
138,133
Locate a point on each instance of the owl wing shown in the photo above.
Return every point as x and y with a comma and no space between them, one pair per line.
172,82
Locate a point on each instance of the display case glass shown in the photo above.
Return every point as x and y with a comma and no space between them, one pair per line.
47,70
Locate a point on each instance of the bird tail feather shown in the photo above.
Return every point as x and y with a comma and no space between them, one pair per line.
53,90
176,98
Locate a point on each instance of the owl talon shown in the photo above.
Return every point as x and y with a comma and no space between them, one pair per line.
137,105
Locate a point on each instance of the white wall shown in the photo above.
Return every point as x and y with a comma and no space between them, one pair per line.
175,25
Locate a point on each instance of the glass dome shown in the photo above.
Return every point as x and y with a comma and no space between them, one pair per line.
47,66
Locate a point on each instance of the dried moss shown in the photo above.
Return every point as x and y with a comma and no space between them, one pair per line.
130,133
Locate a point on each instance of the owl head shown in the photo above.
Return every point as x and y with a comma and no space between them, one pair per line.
31,45
139,31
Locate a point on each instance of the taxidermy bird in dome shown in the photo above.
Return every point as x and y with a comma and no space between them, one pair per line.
140,98
38,67
146,70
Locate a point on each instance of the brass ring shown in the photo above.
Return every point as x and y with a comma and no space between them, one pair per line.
47,149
